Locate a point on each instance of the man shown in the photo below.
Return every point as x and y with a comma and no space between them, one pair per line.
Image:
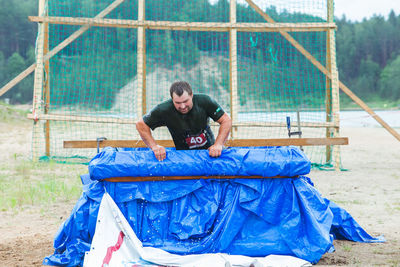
186,116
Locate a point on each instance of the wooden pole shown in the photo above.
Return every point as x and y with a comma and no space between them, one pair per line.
58,48
141,61
328,94
233,86
335,87
46,95
38,86
317,64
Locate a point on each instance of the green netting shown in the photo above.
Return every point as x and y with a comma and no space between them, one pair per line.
96,75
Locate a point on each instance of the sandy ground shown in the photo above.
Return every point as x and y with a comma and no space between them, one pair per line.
369,190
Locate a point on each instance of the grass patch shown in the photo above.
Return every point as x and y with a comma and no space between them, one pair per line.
38,183
394,262
347,248
10,113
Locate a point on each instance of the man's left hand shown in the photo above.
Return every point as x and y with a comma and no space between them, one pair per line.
215,150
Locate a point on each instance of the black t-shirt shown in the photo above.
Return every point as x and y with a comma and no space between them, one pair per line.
186,127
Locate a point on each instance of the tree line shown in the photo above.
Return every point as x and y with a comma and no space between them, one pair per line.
368,52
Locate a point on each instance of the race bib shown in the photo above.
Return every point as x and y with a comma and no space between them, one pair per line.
196,141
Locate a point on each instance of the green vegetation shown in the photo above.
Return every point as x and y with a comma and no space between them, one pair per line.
368,53
347,248
9,113
23,182
37,183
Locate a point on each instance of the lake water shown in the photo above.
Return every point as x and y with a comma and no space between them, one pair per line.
357,118
347,118
363,119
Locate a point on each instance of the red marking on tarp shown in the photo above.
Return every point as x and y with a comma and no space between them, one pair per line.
112,249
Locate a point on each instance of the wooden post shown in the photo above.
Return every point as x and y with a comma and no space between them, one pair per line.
335,87
233,86
46,94
141,63
37,108
328,95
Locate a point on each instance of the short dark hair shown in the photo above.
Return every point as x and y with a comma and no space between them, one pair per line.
179,87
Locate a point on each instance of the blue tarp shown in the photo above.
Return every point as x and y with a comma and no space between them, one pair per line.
266,162
252,217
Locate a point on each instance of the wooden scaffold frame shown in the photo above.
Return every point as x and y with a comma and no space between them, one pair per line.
42,71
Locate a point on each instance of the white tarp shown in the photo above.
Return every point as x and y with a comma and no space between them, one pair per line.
116,244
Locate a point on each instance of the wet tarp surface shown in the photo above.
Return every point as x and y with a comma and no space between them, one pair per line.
251,217
266,162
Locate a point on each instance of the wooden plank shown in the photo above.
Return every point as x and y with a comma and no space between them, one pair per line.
104,119
229,143
78,118
288,142
172,178
188,26
17,79
317,64
58,48
114,143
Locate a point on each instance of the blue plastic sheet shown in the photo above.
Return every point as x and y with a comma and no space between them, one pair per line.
252,217
266,162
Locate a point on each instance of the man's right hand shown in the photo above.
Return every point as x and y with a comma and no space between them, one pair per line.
159,152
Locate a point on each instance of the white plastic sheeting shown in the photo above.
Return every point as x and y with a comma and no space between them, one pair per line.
116,244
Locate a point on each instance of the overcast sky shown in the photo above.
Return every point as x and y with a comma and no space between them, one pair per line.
356,10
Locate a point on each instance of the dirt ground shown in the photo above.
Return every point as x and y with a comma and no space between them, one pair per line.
369,191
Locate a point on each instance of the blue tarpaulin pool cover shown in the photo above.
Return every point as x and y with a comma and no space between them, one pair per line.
252,217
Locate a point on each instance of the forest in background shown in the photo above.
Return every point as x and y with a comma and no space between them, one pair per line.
368,52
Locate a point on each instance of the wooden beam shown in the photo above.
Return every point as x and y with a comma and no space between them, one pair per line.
364,106
288,142
17,79
319,66
46,93
141,62
328,93
78,118
229,143
171,178
58,48
104,119
328,97
188,26
37,107
334,85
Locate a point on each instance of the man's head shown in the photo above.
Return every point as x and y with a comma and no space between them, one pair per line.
182,96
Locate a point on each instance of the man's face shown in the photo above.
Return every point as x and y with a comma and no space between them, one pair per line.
183,103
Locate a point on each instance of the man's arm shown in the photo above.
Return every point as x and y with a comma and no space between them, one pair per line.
145,134
225,125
